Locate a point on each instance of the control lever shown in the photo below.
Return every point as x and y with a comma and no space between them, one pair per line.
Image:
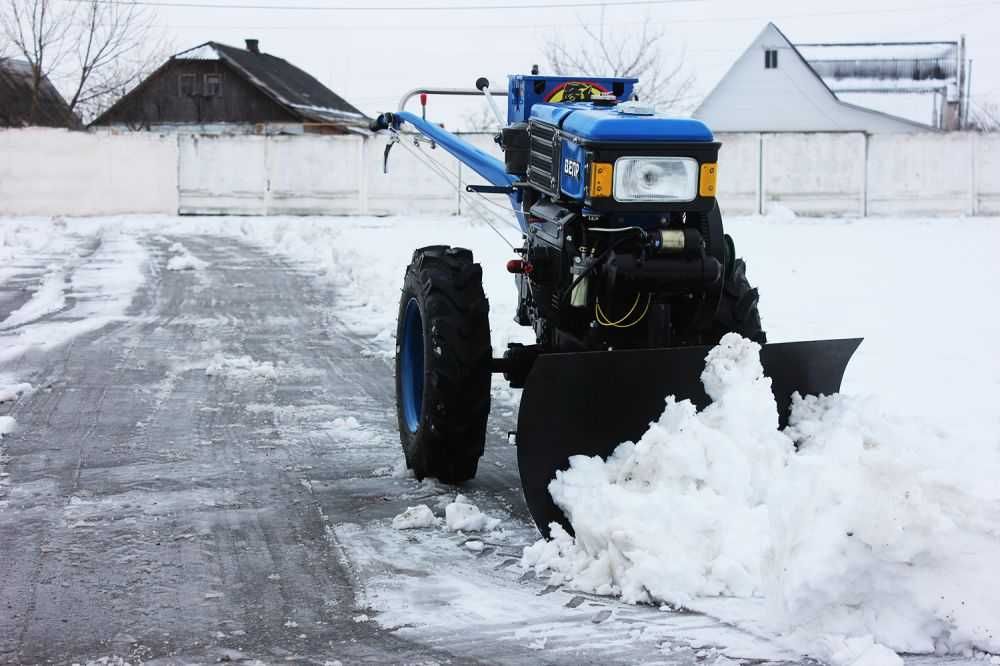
483,84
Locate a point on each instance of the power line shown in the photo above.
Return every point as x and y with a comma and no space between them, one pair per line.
577,4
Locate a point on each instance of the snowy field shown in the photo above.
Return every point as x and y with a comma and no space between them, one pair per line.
879,535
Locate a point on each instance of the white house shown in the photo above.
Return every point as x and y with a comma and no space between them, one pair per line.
772,88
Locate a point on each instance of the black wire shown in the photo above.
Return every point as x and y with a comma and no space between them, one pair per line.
614,246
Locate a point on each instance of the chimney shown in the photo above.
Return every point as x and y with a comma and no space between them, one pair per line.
253,45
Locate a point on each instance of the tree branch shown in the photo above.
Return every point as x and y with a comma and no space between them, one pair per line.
663,79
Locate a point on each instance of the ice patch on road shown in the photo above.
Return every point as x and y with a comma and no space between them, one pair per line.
415,517
463,515
873,533
183,260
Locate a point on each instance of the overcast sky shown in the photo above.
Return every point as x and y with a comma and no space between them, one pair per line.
372,57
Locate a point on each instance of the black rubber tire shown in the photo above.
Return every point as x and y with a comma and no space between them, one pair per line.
446,285
738,311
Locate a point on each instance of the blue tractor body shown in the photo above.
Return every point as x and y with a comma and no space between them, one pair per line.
625,275
588,123
524,91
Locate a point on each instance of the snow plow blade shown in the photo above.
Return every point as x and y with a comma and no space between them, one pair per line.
588,403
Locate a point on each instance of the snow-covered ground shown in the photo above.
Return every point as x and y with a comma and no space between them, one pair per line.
77,277
880,531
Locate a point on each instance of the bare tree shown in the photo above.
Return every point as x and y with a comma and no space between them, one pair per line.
4,45
94,50
117,48
985,117
480,120
664,80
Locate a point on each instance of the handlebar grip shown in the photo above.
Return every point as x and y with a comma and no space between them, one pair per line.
382,122
482,82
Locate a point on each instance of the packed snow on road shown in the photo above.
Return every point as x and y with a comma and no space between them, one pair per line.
868,528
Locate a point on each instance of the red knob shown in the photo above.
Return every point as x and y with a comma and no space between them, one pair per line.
423,99
518,266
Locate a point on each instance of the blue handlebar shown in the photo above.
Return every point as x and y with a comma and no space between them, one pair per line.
479,161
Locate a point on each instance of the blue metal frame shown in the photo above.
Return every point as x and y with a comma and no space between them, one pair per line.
411,359
481,162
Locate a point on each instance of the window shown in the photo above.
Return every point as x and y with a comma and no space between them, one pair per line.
213,85
187,82
770,59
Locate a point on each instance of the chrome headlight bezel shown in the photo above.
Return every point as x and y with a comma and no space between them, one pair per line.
679,184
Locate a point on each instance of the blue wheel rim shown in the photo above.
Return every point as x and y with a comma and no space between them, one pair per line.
411,360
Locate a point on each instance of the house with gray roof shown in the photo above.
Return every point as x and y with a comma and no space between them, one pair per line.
22,106
219,88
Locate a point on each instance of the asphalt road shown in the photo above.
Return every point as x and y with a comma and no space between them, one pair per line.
209,481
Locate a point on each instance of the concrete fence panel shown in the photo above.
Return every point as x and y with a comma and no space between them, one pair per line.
815,173
413,184
315,175
57,172
223,175
920,174
739,173
986,193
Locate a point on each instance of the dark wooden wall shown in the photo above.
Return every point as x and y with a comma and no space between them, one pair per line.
159,99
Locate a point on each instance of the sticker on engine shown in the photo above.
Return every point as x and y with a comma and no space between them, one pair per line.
575,91
571,168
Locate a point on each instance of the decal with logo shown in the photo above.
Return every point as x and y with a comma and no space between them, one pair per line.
575,91
571,168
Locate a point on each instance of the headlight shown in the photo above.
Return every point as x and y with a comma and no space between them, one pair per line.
655,179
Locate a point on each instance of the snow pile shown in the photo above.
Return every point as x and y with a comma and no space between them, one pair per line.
11,392
874,534
48,298
460,515
7,425
415,517
240,368
465,516
881,527
183,260
777,212
678,515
